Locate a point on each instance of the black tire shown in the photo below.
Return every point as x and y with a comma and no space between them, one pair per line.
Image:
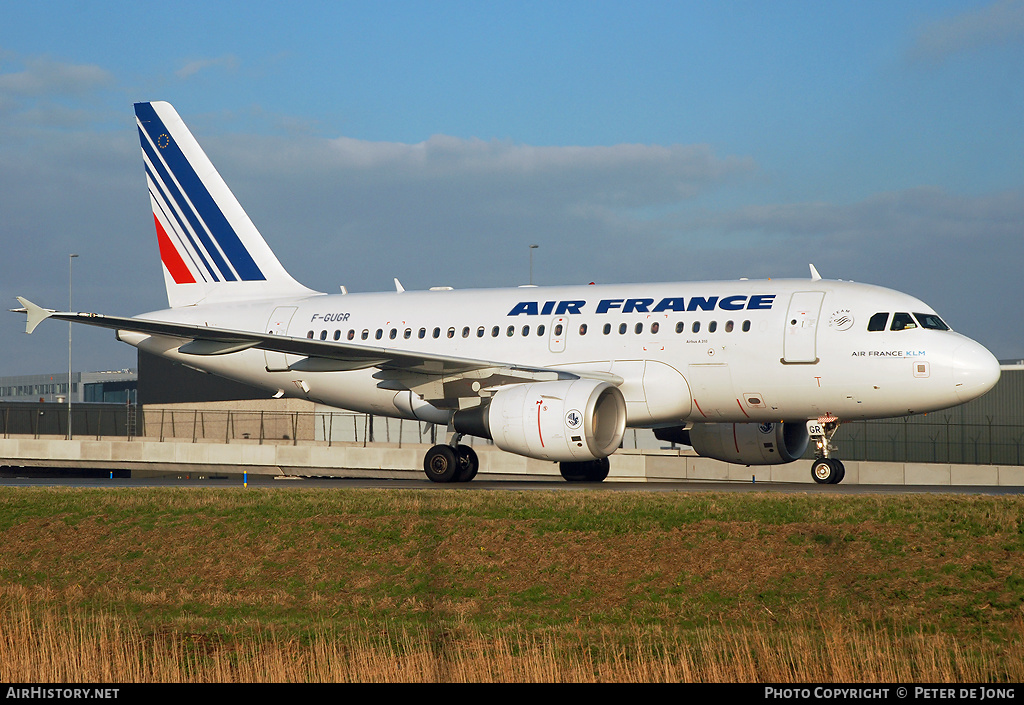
573,472
440,464
468,463
599,470
826,471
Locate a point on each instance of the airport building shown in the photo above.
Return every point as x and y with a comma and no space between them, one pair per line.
116,387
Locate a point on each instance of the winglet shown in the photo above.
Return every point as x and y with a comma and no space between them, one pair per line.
36,314
814,274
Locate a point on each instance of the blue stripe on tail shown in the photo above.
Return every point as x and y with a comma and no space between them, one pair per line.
205,206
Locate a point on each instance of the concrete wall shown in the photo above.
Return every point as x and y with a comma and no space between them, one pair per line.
388,460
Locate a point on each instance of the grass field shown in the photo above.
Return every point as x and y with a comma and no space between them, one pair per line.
258,584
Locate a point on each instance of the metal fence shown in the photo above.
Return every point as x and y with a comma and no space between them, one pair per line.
293,427
51,419
935,438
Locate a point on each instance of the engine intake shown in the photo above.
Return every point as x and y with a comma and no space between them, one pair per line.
570,420
743,443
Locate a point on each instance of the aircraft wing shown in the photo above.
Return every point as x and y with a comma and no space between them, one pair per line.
440,379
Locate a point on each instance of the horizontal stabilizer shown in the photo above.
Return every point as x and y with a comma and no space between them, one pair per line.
36,314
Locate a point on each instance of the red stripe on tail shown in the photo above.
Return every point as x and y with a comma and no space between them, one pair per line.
170,257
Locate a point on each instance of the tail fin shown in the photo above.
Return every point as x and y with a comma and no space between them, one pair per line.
210,250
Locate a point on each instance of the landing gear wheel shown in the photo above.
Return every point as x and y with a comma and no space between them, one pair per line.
827,471
588,471
599,470
440,464
572,472
467,462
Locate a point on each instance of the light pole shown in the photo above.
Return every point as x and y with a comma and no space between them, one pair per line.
532,248
71,258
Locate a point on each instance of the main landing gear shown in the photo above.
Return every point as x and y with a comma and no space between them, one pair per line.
454,462
451,462
825,469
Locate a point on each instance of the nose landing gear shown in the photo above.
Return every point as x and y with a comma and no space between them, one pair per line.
825,469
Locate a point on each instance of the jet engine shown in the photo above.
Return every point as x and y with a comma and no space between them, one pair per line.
743,443
567,420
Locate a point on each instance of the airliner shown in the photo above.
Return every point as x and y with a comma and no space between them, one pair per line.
745,371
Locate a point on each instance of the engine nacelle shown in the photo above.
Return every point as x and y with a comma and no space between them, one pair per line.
743,443
570,420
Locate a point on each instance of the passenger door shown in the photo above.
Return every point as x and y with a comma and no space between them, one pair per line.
278,325
800,345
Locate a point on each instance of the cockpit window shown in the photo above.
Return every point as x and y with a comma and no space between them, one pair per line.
902,321
931,321
878,321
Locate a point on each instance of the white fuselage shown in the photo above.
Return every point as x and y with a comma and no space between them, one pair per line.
737,351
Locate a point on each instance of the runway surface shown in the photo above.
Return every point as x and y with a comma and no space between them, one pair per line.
43,478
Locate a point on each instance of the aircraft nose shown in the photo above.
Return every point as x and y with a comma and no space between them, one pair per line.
975,371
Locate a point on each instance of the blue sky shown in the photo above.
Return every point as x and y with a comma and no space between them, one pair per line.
434,141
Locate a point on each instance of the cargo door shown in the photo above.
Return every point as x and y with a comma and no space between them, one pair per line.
711,387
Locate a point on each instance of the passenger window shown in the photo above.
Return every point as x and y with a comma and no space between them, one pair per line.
379,334
408,333
696,327
366,334
639,328
728,326
480,332
309,335
655,327
393,334
337,335
526,331
607,328
713,326
423,332
746,326
351,334
465,332
622,329
902,321
451,332
495,331
878,321
511,331
680,327
558,329
437,332
540,329
583,329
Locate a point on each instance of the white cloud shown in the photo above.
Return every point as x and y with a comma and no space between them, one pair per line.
999,23
624,175
44,77
229,62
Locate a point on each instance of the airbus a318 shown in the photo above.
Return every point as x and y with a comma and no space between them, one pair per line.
746,371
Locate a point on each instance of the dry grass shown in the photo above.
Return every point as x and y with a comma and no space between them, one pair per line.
53,645
376,586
